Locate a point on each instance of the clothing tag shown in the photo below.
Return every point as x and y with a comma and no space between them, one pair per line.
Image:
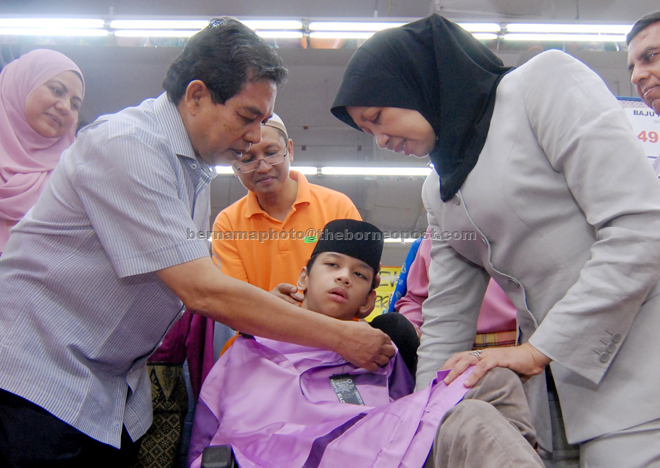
345,389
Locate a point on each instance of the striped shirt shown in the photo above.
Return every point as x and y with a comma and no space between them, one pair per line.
82,307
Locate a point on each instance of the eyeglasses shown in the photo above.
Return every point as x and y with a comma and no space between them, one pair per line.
252,166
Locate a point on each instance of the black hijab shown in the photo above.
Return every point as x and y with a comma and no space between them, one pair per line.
437,68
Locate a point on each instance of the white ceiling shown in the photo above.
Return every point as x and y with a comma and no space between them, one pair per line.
122,76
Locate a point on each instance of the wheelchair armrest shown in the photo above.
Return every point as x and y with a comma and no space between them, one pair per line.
218,456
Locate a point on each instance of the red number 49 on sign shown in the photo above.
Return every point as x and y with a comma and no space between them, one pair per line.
651,137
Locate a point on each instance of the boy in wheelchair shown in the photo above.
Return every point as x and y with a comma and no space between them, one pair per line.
280,405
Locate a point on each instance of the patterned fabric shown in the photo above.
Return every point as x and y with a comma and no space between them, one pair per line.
161,444
494,340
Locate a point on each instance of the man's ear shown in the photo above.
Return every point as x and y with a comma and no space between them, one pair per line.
290,149
368,306
303,279
195,92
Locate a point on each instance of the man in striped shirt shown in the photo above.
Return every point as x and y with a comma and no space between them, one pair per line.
96,273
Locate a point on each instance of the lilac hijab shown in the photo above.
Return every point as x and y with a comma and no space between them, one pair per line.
26,158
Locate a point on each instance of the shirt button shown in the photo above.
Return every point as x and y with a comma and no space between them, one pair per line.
616,338
604,357
193,166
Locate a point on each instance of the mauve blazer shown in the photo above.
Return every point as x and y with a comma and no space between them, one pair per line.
563,211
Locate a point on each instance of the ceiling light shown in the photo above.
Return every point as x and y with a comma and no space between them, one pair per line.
481,27
270,25
366,26
306,170
279,34
377,171
51,23
341,35
568,28
566,37
159,24
154,33
351,171
485,36
53,32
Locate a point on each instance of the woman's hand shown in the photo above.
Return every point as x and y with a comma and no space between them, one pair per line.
289,293
525,360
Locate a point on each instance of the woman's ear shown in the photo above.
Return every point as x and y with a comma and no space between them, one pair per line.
368,306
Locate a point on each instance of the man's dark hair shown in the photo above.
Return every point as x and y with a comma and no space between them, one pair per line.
312,260
642,24
225,55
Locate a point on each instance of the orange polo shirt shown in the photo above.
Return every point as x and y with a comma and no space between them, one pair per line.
252,246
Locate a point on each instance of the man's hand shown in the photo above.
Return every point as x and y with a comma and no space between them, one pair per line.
289,293
525,359
364,346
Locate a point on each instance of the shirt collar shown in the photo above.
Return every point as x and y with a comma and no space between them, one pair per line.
252,206
167,115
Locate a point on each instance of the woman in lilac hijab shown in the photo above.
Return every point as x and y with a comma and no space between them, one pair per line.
40,97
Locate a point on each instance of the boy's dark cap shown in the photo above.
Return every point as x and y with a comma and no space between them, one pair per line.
357,239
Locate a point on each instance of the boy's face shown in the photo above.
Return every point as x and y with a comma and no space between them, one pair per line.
338,286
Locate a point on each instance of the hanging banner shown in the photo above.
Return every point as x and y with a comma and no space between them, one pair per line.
645,123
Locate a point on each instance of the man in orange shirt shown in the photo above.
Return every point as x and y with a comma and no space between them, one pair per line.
266,237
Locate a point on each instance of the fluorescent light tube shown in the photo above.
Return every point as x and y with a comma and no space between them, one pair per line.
566,37
377,171
272,24
351,26
159,24
352,171
51,23
279,34
341,35
306,170
53,32
568,28
484,36
154,33
224,170
481,27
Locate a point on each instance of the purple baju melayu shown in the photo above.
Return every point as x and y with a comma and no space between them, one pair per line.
274,404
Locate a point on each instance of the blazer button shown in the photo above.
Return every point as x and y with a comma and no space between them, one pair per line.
604,357
616,338
610,348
